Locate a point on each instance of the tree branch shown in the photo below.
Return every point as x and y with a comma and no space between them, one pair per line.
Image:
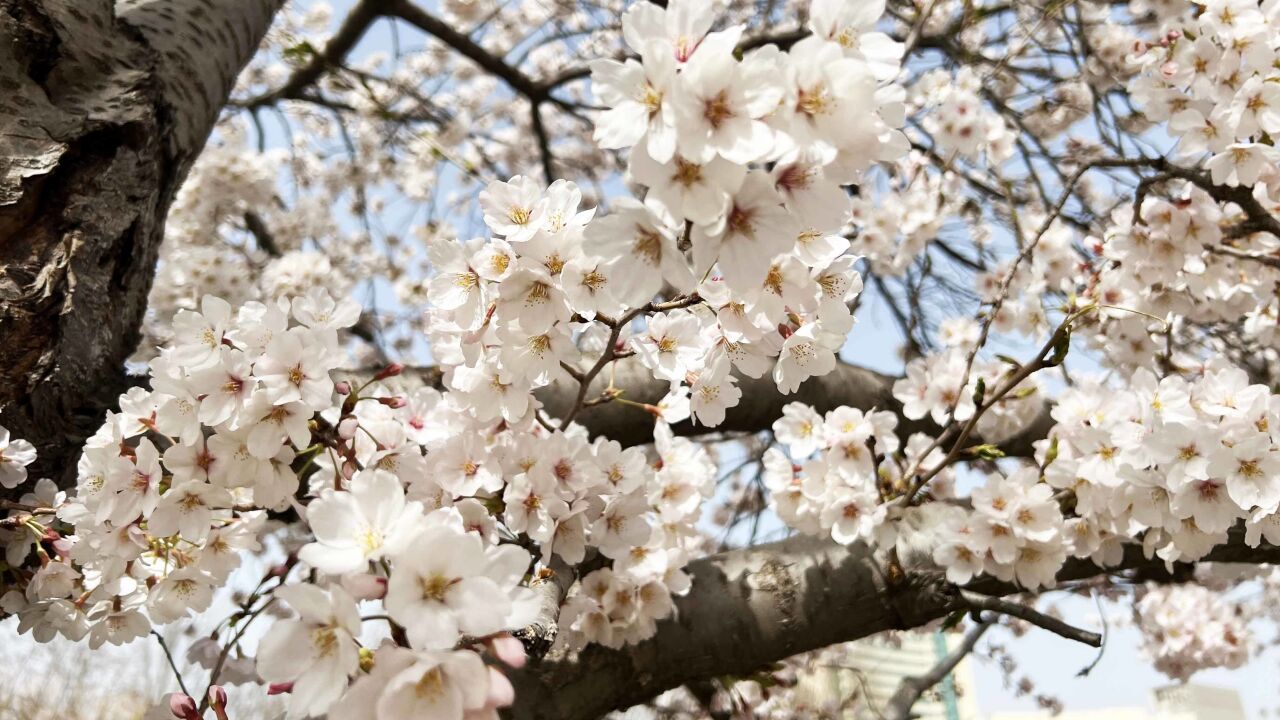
752,607
761,403
468,48
353,28
912,687
976,601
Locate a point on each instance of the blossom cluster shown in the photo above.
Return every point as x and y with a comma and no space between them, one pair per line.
1015,532
958,119
932,388
1177,463
1188,627
649,536
1210,79
173,487
1181,460
833,485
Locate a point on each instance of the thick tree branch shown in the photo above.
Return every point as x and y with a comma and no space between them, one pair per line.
760,406
749,608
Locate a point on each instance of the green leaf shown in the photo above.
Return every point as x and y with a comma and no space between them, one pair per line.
1052,453
1061,347
986,451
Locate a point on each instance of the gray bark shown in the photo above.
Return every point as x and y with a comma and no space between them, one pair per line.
102,110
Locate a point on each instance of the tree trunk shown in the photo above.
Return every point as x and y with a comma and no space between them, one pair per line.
102,111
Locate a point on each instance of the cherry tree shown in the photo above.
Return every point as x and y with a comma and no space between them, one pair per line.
527,345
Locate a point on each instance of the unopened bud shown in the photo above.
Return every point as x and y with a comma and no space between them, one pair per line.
342,387
279,688
500,692
182,706
507,649
62,547
280,570
347,427
218,701
394,402
391,370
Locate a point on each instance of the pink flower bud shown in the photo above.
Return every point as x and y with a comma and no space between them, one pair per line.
391,370
342,387
500,693
279,688
395,402
281,570
62,547
218,701
507,649
347,427
182,706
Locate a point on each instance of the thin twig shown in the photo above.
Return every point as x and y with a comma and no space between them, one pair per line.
976,601
912,687
169,656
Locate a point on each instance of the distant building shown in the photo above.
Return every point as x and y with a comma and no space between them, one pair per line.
1198,702
871,674
1174,702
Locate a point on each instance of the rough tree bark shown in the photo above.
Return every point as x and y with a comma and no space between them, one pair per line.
103,108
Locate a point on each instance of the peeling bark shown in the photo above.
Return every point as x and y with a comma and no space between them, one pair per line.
102,111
